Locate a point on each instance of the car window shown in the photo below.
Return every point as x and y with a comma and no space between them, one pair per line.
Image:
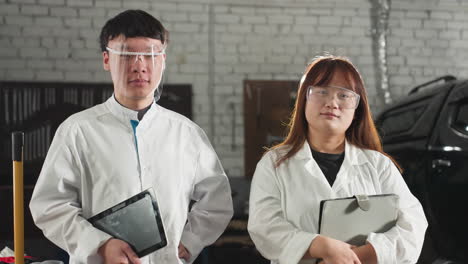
461,117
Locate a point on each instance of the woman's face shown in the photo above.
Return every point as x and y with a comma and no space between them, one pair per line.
325,110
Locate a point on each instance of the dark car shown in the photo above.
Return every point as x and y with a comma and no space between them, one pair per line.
427,134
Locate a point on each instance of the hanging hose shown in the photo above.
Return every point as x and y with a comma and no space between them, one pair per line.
380,13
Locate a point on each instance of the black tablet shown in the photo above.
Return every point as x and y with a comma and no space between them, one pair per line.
136,221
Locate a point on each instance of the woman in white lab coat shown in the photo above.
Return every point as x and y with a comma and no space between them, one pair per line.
332,151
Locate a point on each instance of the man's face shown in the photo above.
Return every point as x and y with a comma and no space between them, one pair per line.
136,66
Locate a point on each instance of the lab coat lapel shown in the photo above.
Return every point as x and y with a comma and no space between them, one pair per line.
348,170
313,170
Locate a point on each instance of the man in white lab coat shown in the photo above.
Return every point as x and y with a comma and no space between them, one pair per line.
110,152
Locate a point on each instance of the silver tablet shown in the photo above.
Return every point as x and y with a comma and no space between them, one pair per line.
136,221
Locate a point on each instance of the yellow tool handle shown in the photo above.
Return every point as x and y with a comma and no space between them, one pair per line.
17,139
18,211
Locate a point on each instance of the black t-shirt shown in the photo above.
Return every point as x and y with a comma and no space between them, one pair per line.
143,111
329,164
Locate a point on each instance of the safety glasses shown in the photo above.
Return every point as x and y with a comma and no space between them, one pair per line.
345,98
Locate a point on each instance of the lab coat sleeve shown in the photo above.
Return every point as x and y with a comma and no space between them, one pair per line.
274,236
403,242
213,208
55,204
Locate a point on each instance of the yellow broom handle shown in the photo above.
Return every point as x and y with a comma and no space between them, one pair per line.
18,197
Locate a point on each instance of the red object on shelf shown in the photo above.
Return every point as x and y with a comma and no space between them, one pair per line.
12,259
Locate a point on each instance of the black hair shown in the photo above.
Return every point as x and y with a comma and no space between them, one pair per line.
132,23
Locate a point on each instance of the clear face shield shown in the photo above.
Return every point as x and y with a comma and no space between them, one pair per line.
136,66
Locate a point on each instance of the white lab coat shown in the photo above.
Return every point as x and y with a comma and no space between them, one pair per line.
285,201
96,161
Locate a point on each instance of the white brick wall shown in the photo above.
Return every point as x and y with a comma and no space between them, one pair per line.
56,40
427,36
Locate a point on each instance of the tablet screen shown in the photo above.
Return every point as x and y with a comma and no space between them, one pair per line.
135,221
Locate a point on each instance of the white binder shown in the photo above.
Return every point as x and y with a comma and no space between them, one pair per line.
352,219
